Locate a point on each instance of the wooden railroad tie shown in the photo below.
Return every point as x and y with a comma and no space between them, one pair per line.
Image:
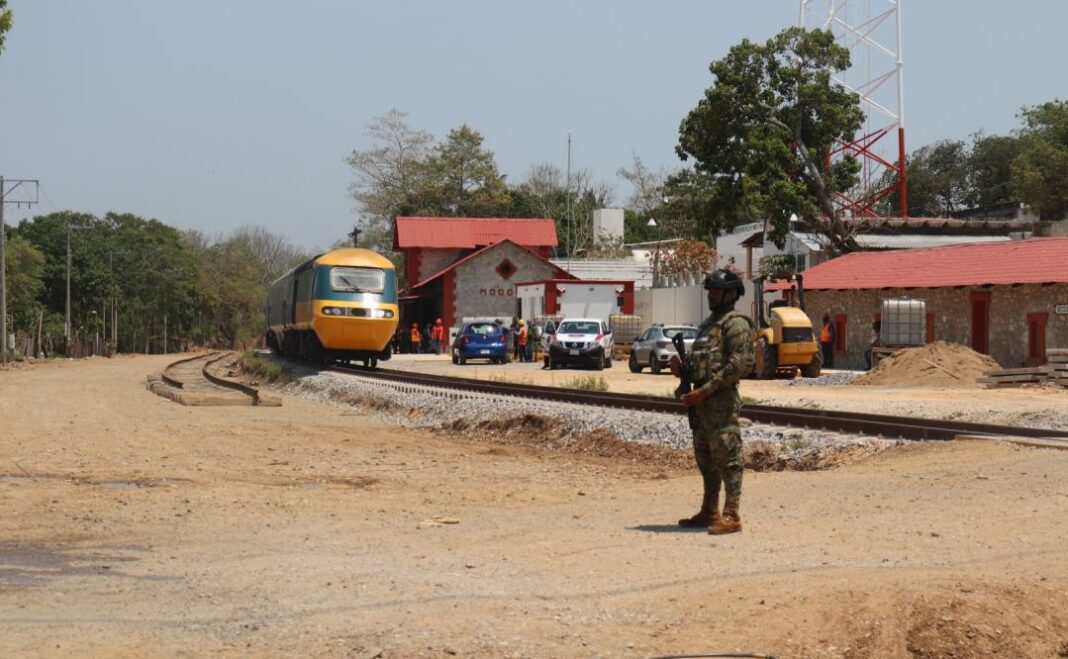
1054,371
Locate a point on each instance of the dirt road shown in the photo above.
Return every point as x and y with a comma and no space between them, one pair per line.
137,527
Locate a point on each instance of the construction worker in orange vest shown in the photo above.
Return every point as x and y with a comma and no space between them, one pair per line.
416,339
521,341
437,337
827,341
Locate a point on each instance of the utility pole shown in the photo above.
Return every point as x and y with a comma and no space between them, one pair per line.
569,202
6,187
355,235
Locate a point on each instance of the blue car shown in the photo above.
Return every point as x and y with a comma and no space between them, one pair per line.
481,340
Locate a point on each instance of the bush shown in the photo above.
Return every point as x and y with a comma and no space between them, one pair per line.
587,383
778,266
264,369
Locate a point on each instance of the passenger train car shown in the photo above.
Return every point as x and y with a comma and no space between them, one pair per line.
338,306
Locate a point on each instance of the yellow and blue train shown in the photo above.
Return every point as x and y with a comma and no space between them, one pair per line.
338,306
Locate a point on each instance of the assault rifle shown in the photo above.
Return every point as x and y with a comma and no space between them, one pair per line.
685,384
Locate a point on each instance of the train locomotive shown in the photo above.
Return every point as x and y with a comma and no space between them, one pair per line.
338,306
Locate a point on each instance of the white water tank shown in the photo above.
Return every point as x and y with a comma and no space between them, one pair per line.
608,225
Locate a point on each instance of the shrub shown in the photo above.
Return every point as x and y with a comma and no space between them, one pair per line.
264,369
588,383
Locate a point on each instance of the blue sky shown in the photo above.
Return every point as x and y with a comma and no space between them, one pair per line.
208,114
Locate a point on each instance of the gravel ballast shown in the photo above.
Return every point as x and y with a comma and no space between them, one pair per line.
767,447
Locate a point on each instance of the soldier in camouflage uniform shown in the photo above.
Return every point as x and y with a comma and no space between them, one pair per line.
721,355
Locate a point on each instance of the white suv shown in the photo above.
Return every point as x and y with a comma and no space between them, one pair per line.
586,341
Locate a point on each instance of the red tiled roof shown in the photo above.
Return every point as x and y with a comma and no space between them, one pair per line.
564,274
1033,261
472,232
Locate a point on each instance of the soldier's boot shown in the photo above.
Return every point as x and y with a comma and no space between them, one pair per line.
708,515
729,522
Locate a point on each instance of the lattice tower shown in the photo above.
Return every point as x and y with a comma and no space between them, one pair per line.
871,30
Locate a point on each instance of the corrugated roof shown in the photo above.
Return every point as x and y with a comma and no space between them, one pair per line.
640,272
472,232
1033,261
920,240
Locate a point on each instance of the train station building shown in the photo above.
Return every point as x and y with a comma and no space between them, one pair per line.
468,267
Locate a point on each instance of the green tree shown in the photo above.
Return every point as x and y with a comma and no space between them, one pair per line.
463,180
232,293
7,21
24,269
1040,172
990,169
764,131
777,266
939,180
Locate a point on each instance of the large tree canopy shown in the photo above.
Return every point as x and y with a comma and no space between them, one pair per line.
762,135
6,22
404,172
1040,173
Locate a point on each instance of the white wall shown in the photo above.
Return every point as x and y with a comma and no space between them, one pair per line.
585,300
681,305
729,246
532,299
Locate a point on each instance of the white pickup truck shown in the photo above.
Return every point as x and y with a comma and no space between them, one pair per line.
578,341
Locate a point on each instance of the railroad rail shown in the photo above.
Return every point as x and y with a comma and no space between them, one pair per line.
193,374
847,422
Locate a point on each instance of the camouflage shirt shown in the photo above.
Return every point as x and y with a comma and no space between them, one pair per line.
722,354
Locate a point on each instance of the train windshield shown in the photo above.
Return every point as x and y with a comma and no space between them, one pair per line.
357,280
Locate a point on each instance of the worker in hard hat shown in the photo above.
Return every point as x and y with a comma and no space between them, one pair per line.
437,337
416,339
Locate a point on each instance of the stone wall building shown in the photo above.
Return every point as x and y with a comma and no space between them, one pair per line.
481,284
1008,300
456,267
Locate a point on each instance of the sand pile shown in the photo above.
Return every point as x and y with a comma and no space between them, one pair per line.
935,364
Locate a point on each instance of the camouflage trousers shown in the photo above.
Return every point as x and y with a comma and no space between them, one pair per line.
717,447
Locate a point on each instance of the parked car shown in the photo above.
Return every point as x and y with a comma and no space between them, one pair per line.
584,341
654,347
480,340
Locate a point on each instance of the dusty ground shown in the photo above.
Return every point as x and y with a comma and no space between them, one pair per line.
1038,406
136,527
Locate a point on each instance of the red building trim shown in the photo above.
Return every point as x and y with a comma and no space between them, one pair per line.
448,290
628,298
551,296
552,306
412,259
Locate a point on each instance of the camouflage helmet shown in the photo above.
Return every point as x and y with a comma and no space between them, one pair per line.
725,280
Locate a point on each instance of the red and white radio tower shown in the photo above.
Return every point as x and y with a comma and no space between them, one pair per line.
871,30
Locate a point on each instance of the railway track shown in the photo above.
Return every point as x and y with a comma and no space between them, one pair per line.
847,422
193,377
